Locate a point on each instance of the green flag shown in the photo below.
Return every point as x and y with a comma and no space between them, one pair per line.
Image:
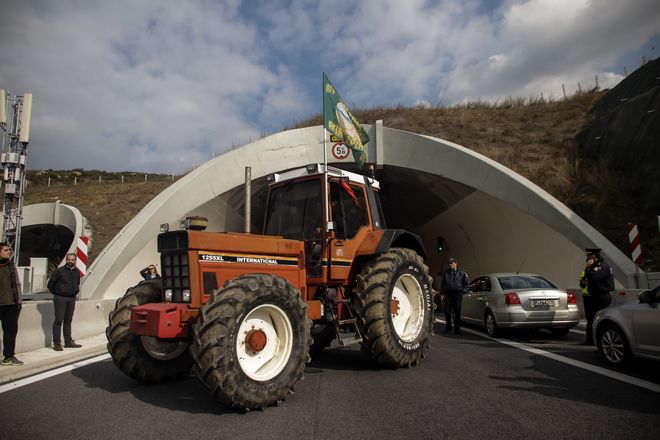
339,121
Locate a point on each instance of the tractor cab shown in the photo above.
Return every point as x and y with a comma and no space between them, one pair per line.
296,211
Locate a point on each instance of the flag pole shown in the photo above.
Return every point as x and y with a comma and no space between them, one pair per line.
325,166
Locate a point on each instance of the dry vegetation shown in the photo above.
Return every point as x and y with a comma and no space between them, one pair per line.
108,205
534,137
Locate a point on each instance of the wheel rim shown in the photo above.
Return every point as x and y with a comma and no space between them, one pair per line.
490,324
163,350
612,346
264,359
409,317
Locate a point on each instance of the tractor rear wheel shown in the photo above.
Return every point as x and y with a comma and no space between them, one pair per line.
144,358
393,303
251,341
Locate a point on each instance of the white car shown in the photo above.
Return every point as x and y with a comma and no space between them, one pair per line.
519,300
628,329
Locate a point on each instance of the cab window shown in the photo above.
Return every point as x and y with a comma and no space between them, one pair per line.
295,211
349,209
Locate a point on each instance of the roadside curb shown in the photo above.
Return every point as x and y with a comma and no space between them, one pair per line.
44,359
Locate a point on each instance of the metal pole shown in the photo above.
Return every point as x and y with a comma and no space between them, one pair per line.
326,191
248,209
326,202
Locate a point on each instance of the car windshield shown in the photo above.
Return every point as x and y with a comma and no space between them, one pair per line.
524,282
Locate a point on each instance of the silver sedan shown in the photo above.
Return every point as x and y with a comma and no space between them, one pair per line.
630,328
511,300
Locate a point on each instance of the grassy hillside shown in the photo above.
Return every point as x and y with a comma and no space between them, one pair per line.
107,205
535,138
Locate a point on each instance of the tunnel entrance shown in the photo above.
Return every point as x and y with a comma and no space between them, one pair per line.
44,241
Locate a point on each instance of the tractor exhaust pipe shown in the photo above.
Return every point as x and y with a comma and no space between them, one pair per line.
248,209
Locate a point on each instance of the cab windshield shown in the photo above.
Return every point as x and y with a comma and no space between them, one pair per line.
295,210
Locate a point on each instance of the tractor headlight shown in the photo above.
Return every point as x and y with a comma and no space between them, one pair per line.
168,295
186,295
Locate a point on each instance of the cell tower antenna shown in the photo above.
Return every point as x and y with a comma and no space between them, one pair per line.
15,112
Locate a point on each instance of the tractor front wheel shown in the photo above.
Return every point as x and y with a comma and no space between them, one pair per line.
144,358
251,341
393,302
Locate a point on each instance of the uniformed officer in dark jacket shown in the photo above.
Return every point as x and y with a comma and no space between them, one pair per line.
600,282
64,284
455,283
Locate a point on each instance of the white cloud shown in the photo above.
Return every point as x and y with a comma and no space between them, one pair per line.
540,44
157,89
158,86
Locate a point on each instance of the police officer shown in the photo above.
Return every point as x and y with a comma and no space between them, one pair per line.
455,283
599,283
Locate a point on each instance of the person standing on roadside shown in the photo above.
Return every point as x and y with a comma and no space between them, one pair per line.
599,283
64,284
10,306
455,283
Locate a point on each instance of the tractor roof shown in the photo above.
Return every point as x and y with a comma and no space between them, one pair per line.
317,169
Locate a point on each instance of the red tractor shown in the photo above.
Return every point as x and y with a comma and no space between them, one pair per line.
244,311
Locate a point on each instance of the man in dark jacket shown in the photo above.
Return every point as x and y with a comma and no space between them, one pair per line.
150,273
600,282
64,284
454,284
10,306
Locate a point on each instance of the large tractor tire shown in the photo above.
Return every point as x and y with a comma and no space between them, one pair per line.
251,341
394,307
144,358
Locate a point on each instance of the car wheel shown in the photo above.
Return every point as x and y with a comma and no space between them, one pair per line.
613,345
491,324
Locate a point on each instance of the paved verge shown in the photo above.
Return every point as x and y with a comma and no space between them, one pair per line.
44,359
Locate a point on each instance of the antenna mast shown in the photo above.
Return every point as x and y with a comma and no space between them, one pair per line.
15,114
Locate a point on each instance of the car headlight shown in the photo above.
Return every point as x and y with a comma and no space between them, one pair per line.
168,295
186,295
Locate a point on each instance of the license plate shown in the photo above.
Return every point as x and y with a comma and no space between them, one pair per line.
544,302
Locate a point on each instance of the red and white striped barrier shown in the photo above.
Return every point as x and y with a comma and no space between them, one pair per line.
635,243
81,253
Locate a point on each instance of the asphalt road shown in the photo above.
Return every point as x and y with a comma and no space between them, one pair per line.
469,386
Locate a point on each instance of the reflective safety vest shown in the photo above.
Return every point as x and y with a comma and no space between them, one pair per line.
583,284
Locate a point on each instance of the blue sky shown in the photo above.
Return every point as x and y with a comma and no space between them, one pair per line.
160,86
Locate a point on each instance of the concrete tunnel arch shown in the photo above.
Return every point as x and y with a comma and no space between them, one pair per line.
492,218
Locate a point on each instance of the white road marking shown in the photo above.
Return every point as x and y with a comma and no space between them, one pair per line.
584,365
41,376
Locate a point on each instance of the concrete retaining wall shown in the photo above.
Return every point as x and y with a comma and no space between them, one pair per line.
35,323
